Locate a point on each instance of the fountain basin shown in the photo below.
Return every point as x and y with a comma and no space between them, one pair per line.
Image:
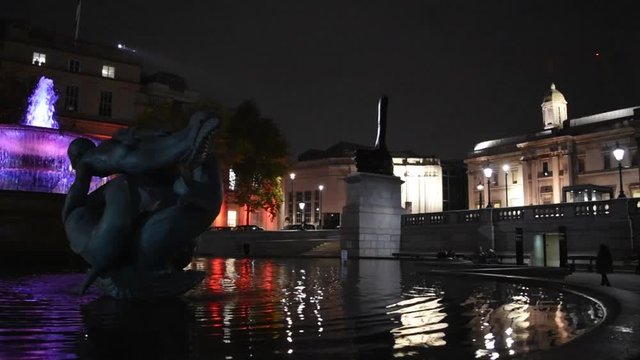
35,159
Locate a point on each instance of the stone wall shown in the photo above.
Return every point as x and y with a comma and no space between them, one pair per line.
613,222
261,243
31,222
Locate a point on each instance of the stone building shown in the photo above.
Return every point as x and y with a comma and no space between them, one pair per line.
422,188
97,85
569,160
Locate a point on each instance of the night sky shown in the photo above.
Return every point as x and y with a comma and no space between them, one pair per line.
456,72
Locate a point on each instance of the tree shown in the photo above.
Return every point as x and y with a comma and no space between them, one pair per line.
246,142
257,152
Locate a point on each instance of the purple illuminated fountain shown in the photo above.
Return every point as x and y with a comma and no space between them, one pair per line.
33,156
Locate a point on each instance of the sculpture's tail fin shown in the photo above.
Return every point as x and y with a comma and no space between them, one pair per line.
92,275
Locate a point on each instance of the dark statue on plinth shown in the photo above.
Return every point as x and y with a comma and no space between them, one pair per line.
378,160
137,231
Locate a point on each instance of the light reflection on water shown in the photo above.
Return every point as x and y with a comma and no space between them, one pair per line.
311,308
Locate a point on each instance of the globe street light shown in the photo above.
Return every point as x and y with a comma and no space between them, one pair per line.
292,176
487,173
320,187
301,205
618,153
506,169
480,188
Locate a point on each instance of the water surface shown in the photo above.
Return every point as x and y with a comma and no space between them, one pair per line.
292,308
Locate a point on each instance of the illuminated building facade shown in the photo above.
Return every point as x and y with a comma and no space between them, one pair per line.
422,190
97,85
570,160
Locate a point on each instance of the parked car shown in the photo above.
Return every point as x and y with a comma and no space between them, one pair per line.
248,228
300,227
221,228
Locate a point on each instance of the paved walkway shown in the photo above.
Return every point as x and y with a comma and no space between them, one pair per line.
625,281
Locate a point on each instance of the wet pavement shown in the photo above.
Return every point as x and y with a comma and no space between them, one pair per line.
619,336
625,281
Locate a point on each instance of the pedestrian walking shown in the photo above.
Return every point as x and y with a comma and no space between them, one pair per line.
604,264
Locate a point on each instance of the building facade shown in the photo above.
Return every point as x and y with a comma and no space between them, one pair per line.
317,181
97,85
569,160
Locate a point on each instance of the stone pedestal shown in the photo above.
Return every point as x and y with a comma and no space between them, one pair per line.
370,225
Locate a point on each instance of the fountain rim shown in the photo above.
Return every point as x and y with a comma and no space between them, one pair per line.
64,132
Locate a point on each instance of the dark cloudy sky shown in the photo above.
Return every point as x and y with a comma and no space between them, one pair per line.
456,72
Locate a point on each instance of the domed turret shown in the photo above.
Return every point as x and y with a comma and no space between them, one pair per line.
554,109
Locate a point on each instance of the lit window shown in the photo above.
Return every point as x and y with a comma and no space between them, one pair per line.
106,98
545,169
39,59
109,71
74,65
232,218
232,180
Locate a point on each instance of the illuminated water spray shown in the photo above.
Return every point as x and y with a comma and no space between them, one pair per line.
34,158
42,111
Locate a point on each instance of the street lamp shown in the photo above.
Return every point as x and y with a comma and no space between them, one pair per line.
618,153
292,176
480,188
320,187
506,169
301,205
487,173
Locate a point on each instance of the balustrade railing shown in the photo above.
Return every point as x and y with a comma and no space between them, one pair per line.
548,212
592,209
618,207
510,214
471,216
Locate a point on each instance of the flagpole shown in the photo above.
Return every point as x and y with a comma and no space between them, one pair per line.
77,21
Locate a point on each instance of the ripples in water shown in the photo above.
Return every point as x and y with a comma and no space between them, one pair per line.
305,308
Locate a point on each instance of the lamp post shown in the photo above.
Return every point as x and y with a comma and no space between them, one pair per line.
301,205
292,176
506,169
320,187
487,173
618,153
480,188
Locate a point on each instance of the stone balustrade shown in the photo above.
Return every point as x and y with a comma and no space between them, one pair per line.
615,222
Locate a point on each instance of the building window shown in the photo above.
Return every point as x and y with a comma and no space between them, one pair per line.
74,65
580,165
514,176
316,206
109,71
232,180
307,207
105,103
232,218
606,157
633,157
39,59
71,98
290,207
545,169
546,189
